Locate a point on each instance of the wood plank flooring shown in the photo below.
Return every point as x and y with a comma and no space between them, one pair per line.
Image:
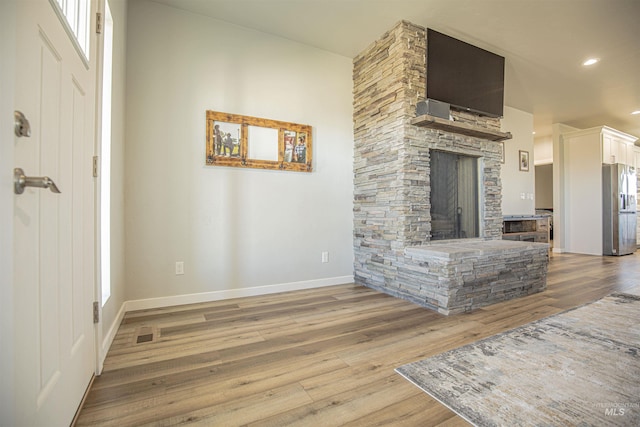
319,357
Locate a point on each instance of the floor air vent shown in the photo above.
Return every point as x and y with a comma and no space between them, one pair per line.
144,338
144,334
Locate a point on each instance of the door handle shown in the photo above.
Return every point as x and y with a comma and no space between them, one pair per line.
20,181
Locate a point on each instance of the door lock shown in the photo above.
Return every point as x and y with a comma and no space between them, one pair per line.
21,124
20,181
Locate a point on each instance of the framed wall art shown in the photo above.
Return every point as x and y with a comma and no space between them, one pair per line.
252,142
524,161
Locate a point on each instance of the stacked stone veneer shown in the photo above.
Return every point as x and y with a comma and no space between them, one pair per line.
460,277
391,183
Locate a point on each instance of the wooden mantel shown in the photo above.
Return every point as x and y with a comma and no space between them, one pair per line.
433,122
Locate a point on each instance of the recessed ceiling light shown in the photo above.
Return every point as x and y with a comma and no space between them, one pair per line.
591,61
636,112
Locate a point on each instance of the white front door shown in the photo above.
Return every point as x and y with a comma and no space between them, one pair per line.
54,279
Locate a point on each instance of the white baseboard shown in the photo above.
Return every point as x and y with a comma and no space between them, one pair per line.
108,338
113,329
143,304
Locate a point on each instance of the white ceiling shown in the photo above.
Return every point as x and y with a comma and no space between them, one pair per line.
544,42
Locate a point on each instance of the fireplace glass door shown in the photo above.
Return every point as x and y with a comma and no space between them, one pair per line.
454,196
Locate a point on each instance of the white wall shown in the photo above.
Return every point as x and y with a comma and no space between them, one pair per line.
543,150
560,189
582,167
233,228
517,184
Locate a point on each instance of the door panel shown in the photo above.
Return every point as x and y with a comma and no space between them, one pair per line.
54,281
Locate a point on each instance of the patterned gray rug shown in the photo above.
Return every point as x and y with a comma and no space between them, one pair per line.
580,367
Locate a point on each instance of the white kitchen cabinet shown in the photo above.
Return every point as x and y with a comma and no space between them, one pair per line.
617,147
631,153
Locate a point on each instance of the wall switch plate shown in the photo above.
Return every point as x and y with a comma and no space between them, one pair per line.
179,267
325,257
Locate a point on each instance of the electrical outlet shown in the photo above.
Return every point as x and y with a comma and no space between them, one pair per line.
179,268
325,257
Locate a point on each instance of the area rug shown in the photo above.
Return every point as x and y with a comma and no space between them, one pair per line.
580,367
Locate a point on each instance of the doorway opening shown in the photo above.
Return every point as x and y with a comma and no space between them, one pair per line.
544,194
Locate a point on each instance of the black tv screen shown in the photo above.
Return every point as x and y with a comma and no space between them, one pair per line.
464,75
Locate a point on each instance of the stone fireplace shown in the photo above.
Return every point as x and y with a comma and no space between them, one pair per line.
393,222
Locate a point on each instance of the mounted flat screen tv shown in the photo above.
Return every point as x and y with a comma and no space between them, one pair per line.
463,75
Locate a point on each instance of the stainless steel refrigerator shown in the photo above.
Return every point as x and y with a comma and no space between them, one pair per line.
619,187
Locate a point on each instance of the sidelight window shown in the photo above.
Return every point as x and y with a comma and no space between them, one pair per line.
105,157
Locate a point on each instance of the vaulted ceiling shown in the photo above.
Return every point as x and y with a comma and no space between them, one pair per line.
544,42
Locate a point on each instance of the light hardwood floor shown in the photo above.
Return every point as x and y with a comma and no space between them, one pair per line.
320,357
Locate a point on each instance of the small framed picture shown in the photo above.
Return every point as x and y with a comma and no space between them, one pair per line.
524,161
225,141
501,152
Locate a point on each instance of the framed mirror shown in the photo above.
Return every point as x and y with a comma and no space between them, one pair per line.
262,143
245,141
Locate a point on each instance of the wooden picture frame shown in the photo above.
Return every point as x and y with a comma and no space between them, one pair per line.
252,142
524,160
